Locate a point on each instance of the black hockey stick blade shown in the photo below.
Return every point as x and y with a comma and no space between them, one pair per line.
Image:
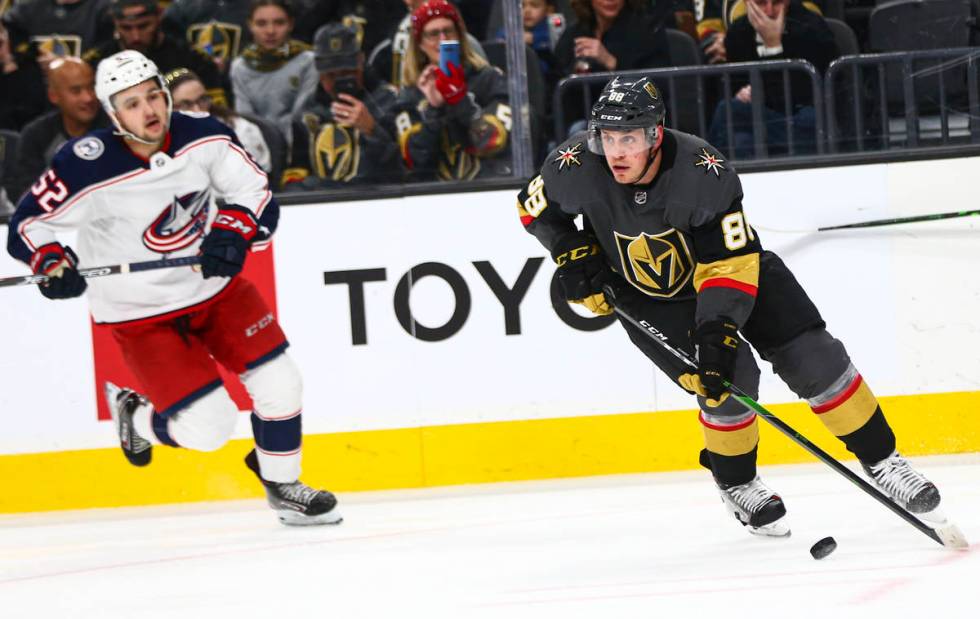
131,267
946,534
900,220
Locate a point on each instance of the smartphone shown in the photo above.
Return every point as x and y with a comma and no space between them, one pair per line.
346,86
449,54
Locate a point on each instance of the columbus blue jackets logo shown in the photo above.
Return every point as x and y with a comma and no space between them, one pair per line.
180,224
659,264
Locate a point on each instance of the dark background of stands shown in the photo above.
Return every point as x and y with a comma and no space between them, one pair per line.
906,87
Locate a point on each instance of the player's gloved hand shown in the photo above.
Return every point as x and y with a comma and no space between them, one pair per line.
60,264
716,345
225,247
452,87
582,272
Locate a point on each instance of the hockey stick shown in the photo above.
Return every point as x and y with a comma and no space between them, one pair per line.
873,223
131,267
947,535
900,220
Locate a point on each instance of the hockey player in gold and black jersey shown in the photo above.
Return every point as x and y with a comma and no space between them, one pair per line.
664,226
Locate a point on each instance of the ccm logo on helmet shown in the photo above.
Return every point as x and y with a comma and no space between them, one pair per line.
610,117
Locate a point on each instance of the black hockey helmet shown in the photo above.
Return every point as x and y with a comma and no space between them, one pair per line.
627,103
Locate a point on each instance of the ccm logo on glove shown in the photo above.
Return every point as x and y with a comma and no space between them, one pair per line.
236,221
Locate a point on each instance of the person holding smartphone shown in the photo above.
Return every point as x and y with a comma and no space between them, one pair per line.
453,122
345,134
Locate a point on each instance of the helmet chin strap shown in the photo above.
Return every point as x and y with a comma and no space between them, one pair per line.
650,160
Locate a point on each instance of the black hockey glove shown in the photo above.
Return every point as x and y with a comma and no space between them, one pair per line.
225,247
582,272
716,345
60,264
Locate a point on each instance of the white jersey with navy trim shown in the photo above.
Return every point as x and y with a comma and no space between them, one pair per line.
129,209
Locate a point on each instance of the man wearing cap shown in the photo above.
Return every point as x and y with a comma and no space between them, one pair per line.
137,26
346,132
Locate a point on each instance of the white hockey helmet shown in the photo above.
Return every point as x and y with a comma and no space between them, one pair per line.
124,70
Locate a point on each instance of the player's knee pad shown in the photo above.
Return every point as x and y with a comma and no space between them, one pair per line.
276,388
207,424
810,363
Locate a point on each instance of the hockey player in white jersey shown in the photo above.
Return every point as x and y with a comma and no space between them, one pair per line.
147,191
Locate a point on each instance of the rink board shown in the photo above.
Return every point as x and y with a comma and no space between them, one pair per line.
432,379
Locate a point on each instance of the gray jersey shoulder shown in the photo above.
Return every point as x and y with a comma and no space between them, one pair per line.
572,175
703,184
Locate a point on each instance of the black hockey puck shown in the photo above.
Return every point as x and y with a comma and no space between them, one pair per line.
823,548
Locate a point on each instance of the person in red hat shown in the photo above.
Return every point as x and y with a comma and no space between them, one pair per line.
451,126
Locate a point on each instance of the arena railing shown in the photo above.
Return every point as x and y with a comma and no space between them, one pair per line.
894,100
672,79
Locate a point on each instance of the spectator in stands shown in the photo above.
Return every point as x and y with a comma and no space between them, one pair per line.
275,75
456,126
216,28
539,33
345,135
712,24
387,58
71,88
54,28
19,74
374,20
771,30
189,95
613,35
138,26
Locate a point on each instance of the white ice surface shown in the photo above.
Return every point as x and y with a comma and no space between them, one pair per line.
658,545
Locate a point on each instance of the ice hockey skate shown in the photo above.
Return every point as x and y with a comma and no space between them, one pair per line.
896,478
122,404
295,503
757,507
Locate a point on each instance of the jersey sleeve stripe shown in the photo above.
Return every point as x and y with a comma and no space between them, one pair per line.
248,159
64,208
267,196
201,142
725,282
740,272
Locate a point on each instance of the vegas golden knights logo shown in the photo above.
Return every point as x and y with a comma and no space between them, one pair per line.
357,24
58,44
659,265
219,40
456,164
335,150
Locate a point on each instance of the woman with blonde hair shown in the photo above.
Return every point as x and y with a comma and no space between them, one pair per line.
450,126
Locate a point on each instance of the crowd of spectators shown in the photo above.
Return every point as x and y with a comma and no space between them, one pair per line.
329,93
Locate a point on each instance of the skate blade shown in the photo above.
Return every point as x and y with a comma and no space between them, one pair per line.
952,537
949,534
296,519
775,530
